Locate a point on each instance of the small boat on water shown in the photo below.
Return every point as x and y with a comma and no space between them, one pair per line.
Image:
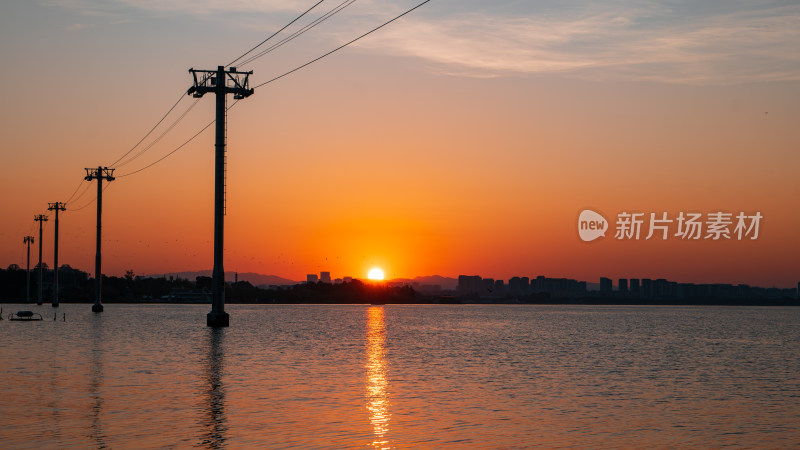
25,316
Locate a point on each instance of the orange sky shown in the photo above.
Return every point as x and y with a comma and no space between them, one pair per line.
395,156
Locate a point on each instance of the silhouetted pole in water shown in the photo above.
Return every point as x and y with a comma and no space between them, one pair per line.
40,218
216,81
57,206
28,240
99,174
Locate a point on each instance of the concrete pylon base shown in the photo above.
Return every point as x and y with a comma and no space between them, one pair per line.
217,319
97,307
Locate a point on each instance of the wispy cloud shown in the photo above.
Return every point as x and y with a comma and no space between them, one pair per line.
729,48
716,41
204,7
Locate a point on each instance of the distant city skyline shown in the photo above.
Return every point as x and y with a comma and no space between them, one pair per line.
476,283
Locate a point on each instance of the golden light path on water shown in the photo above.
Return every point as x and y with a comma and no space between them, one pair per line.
376,383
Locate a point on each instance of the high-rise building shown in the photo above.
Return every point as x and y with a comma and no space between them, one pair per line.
312,278
518,286
623,285
557,287
526,285
538,284
499,287
469,284
635,290
487,286
660,288
605,285
647,287
325,277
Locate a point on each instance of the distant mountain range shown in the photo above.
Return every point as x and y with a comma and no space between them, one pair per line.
258,279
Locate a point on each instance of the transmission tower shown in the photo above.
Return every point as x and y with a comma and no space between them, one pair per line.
221,83
99,174
28,240
41,218
57,206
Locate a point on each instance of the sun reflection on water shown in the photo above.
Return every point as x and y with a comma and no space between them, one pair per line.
376,383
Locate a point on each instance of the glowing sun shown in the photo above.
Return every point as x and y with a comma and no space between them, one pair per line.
375,274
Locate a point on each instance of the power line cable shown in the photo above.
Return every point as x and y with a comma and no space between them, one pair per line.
301,31
276,33
275,79
183,94
341,46
84,206
76,191
178,147
85,190
316,22
156,140
91,201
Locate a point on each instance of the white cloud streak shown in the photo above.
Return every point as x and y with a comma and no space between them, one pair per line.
617,40
727,49
227,6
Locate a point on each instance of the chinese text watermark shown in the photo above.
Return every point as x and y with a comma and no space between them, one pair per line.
685,225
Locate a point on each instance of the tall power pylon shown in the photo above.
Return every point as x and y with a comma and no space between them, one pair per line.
28,240
221,83
99,174
57,206
41,218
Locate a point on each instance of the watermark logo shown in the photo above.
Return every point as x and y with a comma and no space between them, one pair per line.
715,226
591,225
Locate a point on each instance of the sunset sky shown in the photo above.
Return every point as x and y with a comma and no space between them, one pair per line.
465,138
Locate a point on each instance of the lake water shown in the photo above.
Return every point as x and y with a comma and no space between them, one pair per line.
401,376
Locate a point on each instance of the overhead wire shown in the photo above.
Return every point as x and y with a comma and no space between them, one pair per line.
76,190
342,46
156,140
301,31
178,147
117,164
86,189
90,201
275,79
306,28
275,33
183,94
